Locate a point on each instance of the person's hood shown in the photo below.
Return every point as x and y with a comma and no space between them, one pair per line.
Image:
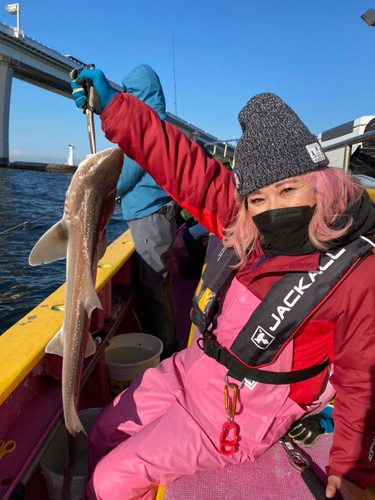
144,83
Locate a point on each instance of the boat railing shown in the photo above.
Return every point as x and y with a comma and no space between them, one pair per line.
225,143
347,144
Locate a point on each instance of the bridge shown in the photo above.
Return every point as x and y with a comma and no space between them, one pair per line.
33,62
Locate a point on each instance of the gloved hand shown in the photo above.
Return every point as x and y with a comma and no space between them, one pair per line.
310,429
103,93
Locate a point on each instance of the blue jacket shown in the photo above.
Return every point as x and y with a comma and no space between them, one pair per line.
139,193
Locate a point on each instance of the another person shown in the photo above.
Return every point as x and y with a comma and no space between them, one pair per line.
150,213
194,237
362,161
286,307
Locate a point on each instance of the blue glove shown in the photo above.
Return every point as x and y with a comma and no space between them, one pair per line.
95,81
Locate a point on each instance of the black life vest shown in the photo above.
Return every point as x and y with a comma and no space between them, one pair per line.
289,303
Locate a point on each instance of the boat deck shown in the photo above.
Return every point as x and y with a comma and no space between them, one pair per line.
270,477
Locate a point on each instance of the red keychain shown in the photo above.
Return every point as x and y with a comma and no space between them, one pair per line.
228,436
227,446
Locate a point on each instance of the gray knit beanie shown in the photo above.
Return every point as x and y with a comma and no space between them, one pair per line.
275,145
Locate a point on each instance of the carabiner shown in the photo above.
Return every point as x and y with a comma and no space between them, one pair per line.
229,412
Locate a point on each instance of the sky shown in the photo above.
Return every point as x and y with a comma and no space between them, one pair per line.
317,56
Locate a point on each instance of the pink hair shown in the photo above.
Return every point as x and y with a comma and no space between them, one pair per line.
334,192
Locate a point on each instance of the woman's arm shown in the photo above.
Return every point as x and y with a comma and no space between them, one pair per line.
201,185
352,453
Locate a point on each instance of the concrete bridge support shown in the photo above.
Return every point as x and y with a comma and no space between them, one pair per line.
6,75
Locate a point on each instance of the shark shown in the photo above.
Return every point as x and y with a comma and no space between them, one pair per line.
80,237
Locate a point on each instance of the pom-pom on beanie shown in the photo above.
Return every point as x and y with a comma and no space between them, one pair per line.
275,145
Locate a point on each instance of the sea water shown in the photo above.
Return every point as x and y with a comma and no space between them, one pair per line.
25,195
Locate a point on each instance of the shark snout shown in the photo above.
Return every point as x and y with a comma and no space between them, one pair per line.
110,159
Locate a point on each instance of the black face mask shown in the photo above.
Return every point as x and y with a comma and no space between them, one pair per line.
284,229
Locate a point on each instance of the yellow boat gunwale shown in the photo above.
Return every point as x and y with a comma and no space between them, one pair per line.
23,345
371,192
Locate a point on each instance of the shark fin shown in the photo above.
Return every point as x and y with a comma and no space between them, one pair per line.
55,346
51,246
90,299
90,347
103,244
72,421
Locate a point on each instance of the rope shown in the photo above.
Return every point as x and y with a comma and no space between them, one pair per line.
31,220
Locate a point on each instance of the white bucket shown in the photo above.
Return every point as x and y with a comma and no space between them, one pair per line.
55,458
128,356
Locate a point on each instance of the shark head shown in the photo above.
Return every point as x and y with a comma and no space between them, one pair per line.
97,175
103,167
89,202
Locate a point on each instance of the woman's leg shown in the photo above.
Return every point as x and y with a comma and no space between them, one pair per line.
171,446
148,397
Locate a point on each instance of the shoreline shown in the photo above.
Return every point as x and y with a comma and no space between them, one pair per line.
41,167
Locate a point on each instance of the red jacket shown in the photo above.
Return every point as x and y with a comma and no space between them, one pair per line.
341,329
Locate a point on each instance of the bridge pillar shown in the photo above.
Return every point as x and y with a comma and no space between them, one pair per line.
6,75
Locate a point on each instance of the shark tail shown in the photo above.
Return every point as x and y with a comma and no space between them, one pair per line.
72,421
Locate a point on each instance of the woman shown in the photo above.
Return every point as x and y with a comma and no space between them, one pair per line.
291,288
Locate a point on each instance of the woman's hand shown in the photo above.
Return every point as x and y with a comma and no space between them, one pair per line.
347,489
